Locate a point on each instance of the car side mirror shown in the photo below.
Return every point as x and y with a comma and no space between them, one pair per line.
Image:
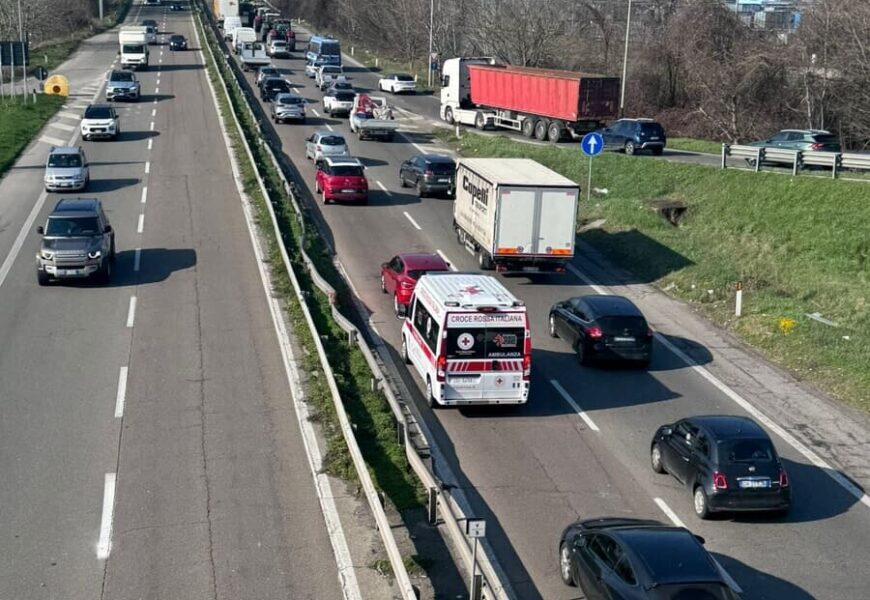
40,230
108,229
700,539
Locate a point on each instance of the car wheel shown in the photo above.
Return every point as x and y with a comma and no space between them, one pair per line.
406,358
383,284
104,275
397,308
655,459
316,187
629,148
402,182
430,398
581,353
699,503
565,565
448,116
420,190
42,278
112,251
552,327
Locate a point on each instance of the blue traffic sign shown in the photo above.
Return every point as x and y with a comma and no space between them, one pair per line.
592,144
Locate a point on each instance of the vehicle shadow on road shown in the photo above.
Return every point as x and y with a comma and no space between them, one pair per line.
185,67
110,185
158,97
758,584
135,136
378,197
155,265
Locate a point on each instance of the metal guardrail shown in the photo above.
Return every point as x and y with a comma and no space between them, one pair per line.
756,156
441,500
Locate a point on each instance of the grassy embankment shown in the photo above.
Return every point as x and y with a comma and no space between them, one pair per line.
799,245
693,145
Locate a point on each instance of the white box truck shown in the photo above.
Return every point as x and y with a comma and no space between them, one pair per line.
241,35
134,47
515,214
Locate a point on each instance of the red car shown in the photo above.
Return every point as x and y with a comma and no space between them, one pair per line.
341,178
400,275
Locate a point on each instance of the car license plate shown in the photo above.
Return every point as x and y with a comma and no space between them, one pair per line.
70,272
463,380
755,484
654,137
348,191
443,181
623,339
531,269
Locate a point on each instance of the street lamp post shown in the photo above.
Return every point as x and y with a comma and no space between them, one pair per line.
431,26
625,60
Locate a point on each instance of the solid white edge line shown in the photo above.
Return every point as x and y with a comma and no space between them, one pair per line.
131,312
144,194
104,545
120,398
344,562
141,226
137,259
743,403
413,222
567,397
147,167
447,260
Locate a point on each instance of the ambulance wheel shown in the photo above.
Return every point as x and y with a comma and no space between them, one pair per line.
430,399
404,352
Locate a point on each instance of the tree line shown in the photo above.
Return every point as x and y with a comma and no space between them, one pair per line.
692,63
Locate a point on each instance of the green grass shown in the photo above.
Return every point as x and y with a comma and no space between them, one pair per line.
693,145
369,412
799,245
20,122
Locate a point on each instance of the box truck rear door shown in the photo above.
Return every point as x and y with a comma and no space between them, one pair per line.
558,220
515,221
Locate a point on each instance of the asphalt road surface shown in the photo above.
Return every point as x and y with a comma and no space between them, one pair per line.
163,394
533,470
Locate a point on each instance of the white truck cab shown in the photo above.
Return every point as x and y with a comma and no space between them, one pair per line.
468,337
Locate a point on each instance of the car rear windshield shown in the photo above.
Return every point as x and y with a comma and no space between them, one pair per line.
826,139
278,43
177,38
345,96
289,100
98,112
617,325
346,171
64,161
442,168
752,450
489,342
651,129
404,78
122,76
330,48
72,226
278,85
684,560
332,140
418,273
331,70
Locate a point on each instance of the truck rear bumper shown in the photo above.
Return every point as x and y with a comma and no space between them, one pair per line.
530,265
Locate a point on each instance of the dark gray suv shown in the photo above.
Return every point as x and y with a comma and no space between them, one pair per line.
77,242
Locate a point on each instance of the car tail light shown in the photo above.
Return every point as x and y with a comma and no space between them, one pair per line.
816,146
527,356
719,481
429,173
783,478
595,333
649,332
441,365
407,285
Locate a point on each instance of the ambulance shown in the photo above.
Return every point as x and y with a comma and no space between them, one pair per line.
468,337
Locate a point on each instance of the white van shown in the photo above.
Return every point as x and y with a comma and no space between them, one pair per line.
230,24
469,339
242,35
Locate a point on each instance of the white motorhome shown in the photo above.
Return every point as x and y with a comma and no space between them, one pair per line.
468,338
515,214
241,35
133,42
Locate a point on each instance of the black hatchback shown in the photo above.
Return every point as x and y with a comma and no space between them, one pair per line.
177,42
272,86
429,173
636,559
727,462
604,327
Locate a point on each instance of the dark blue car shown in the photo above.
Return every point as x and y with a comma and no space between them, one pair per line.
634,135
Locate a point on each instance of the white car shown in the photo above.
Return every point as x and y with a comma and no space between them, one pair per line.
325,143
327,75
398,83
100,121
278,49
337,101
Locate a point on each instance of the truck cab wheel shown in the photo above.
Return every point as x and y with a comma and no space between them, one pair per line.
480,121
448,116
528,128
541,130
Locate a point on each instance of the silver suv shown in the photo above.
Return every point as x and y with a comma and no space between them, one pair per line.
122,85
66,169
77,242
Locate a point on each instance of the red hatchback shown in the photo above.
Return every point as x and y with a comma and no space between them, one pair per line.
400,275
341,178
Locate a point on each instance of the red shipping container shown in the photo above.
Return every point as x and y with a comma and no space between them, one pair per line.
564,95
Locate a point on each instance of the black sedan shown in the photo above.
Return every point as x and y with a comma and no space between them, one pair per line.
636,559
429,173
177,42
272,86
728,463
176,7
606,327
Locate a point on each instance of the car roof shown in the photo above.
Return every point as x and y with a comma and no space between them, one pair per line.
416,261
668,554
176,35
342,160
327,133
639,119
437,158
723,427
125,71
276,79
65,150
611,306
98,106
76,205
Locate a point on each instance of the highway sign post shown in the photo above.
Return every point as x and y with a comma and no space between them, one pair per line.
475,529
592,144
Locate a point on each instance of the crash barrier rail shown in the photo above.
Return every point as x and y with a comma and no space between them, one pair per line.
441,503
755,156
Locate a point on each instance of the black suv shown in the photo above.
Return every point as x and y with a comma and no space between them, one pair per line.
272,86
728,463
636,559
632,135
429,173
77,242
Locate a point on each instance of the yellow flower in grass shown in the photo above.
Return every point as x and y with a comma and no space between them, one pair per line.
786,325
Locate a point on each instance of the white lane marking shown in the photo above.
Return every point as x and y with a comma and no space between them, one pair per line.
154,101
679,523
153,112
329,127
131,312
382,186
144,194
51,141
22,235
64,126
158,81
150,143
787,437
122,393
567,397
104,546
152,125
413,222
141,226
68,115
157,90
137,259
147,167
296,90
421,148
447,260
316,114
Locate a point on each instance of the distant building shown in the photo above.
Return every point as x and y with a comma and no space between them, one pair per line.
776,15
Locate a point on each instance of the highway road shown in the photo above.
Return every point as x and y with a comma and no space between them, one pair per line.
148,444
533,470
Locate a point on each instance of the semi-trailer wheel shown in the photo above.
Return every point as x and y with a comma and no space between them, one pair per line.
554,132
541,130
528,128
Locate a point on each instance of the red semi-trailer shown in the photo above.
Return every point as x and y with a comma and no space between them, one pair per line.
544,103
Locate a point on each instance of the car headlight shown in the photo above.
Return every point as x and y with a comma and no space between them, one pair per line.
47,254
95,254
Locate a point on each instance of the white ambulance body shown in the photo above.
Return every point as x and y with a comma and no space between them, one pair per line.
469,339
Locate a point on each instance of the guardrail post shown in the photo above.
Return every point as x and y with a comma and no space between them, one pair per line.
725,149
758,156
400,433
432,506
835,168
798,158
351,336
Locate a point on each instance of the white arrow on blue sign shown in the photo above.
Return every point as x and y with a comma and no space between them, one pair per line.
592,144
